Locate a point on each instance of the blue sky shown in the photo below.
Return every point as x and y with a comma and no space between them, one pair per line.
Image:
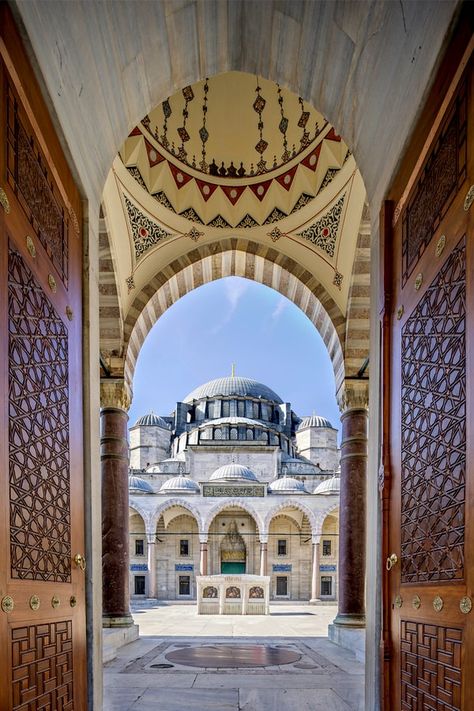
234,320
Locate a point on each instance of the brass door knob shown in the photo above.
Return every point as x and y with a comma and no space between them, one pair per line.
391,560
80,561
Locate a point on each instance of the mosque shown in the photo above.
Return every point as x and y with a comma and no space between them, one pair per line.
325,149
234,482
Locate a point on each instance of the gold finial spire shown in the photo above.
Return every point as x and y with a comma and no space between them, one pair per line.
233,370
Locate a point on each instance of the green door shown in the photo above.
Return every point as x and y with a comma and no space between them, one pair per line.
233,568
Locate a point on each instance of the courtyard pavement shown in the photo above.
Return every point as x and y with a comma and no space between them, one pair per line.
320,675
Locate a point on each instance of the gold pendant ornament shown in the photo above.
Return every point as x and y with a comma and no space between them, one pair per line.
416,602
465,605
440,245
7,604
34,602
4,202
30,246
469,199
438,603
398,601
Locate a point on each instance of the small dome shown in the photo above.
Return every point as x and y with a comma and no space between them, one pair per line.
233,385
137,485
329,486
314,421
233,472
152,420
180,485
287,485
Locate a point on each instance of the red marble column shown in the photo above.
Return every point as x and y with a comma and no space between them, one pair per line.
115,532
352,518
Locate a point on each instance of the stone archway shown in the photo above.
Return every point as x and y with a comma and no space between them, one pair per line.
233,257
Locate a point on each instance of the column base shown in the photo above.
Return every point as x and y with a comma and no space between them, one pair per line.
113,639
117,621
349,620
351,638
314,601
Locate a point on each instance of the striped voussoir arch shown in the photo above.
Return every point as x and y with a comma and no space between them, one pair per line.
358,307
110,317
235,257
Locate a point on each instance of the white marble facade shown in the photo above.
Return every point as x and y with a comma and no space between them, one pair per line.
234,482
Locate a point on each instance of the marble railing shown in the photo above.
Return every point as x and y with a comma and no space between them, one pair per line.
233,594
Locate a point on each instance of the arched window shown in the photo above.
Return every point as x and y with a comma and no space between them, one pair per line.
218,433
249,433
234,433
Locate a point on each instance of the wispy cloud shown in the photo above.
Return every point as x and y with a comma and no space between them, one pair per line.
282,304
234,291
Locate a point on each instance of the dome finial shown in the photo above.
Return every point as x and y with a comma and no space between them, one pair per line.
233,370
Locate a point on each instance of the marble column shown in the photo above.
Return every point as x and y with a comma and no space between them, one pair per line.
203,561
151,541
315,573
353,401
263,557
115,402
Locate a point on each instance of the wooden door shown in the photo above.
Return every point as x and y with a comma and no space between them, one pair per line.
42,590
429,411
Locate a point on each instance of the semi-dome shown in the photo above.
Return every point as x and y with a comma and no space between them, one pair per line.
287,485
152,420
329,486
233,385
180,485
137,485
233,472
314,421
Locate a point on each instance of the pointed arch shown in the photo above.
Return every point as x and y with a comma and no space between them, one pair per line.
321,515
291,503
170,503
235,257
230,503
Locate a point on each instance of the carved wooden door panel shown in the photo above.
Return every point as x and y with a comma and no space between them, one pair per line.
429,589
42,590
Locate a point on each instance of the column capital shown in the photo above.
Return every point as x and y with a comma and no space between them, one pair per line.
263,538
203,536
150,537
353,394
114,392
316,538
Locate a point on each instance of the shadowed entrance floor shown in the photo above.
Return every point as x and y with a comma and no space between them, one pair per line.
186,662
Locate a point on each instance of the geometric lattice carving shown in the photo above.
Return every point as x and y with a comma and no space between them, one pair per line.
42,667
40,522
430,666
323,233
36,194
433,429
442,175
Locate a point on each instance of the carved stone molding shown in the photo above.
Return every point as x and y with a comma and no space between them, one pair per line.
114,392
353,394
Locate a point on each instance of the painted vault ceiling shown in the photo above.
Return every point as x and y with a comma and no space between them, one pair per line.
234,155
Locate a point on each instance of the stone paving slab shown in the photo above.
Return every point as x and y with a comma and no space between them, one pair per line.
290,700
324,676
186,700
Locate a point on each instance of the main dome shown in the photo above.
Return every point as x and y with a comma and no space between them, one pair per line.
233,385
